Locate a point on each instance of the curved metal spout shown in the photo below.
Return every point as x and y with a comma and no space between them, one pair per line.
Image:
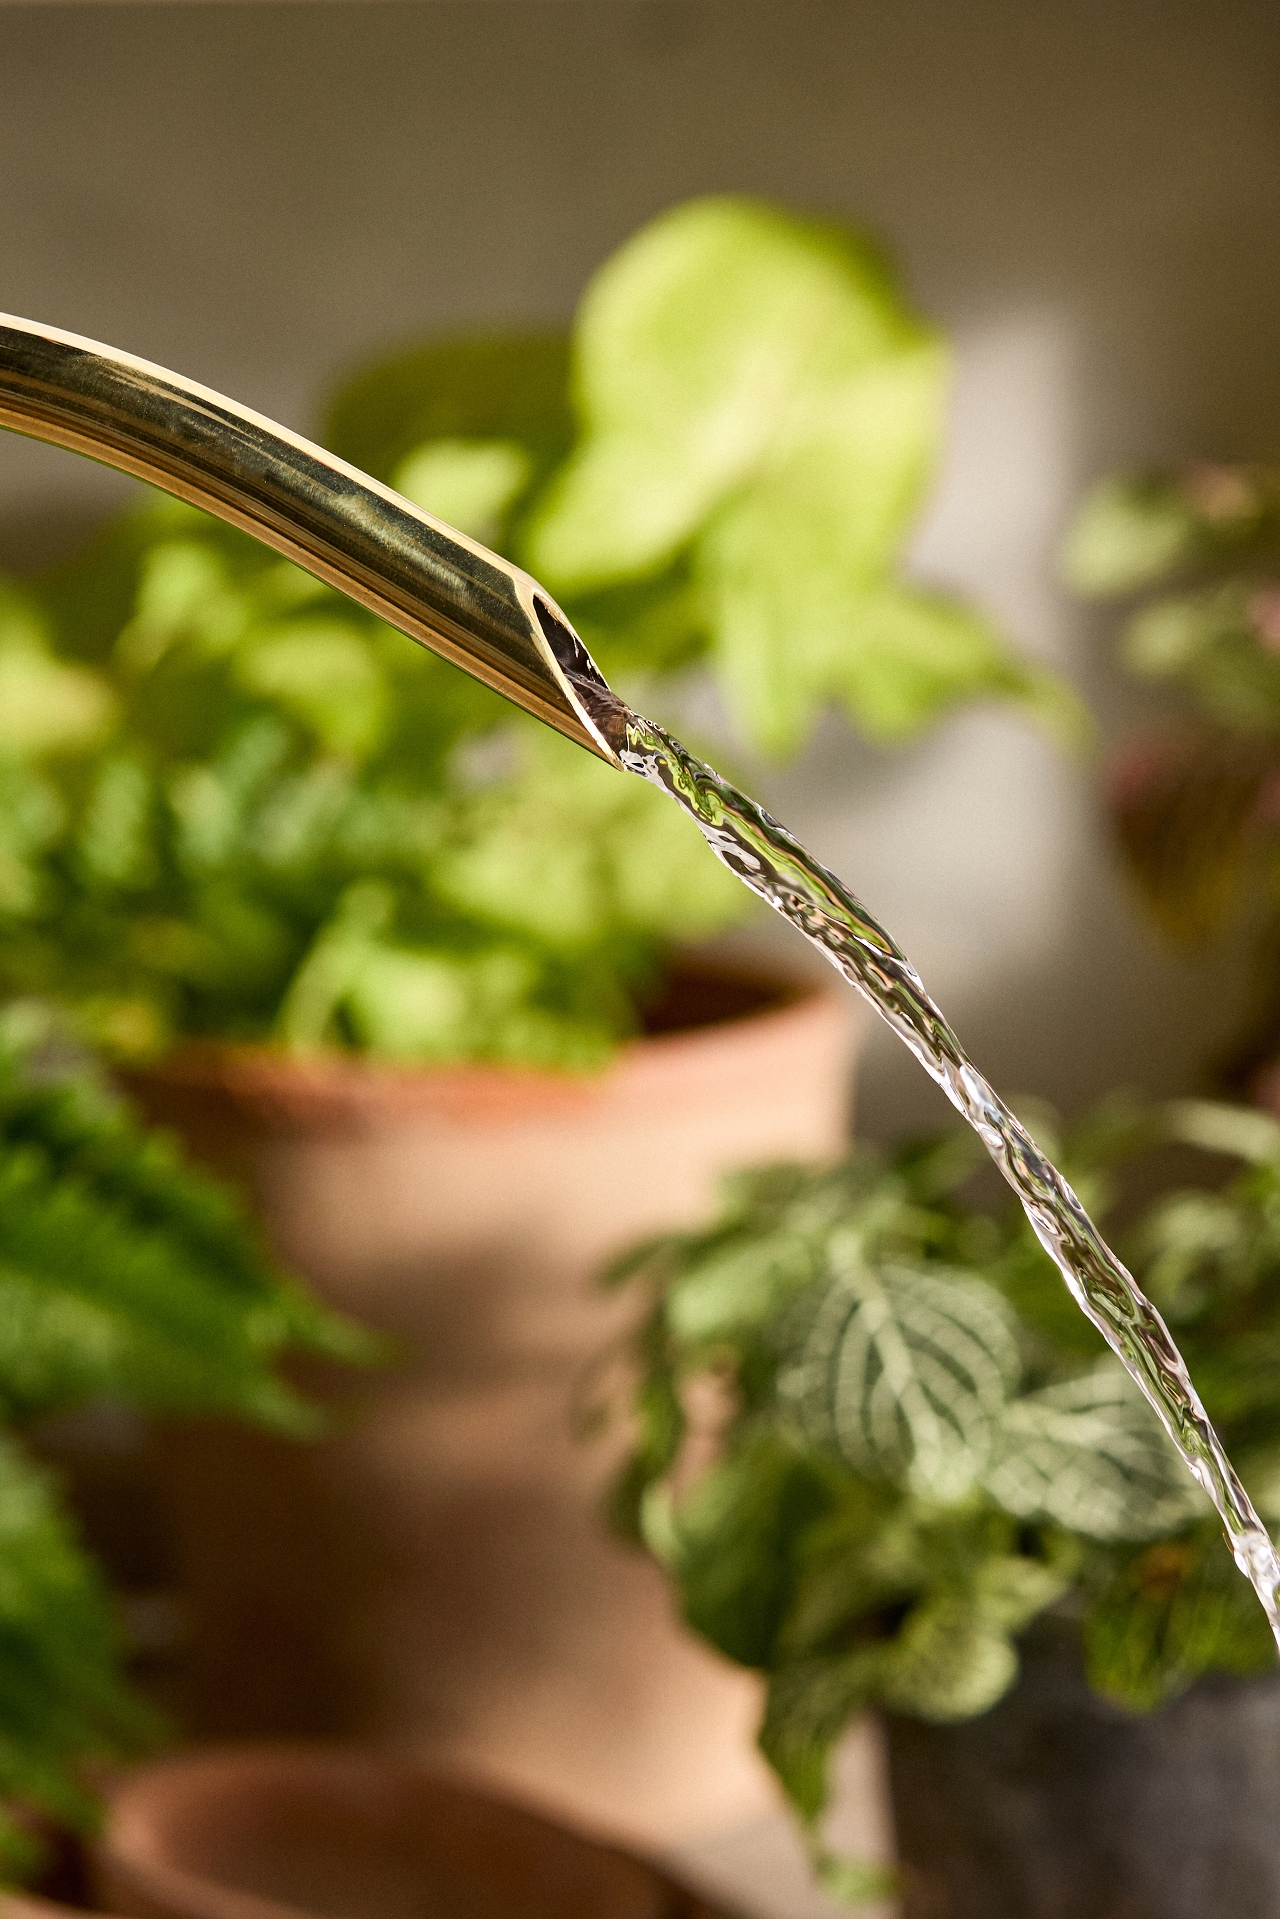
442,589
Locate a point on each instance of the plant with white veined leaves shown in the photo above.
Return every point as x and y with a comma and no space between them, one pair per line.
927,1444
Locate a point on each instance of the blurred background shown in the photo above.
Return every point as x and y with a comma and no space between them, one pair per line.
1085,196
265,197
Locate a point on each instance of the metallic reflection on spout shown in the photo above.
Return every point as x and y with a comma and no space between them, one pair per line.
442,589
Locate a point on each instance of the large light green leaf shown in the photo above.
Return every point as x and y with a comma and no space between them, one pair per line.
470,484
708,344
904,1373
789,564
757,400
1090,1455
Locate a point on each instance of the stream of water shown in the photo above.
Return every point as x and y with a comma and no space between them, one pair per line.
773,864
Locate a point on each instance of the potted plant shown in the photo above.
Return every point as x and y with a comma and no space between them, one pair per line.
933,1493
390,954
1195,801
128,1277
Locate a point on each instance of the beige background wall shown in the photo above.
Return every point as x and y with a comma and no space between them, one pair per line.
1087,193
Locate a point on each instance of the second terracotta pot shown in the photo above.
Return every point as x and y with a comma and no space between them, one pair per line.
292,1833
438,1571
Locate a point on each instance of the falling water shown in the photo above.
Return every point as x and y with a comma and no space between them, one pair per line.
766,858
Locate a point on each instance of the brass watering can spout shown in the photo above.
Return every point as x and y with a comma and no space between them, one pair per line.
444,590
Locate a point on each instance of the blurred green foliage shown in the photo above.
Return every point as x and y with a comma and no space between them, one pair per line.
125,1276
918,1443
234,804
1197,804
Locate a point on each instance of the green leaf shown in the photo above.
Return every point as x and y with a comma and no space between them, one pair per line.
947,1662
807,1708
63,1699
1242,1131
1210,641
792,566
186,595
698,348
115,843
740,1284
46,705
856,1882
32,816
1089,1454
324,672
659,1430
736,1532
125,1273
362,981
791,638
1137,530
570,853
903,1373
510,388
470,484
1167,1615
756,397
1128,533
949,1655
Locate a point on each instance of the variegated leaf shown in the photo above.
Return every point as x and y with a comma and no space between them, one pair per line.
904,1373
1090,1455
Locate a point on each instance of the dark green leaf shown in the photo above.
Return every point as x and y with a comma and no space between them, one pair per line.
736,1533
507,388
1170,1613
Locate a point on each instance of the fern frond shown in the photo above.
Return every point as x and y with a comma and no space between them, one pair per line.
63,1699
126,1273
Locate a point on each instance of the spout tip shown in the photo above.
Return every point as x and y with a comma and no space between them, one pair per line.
585,686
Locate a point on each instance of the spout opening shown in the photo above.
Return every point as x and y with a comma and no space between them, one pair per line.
586,685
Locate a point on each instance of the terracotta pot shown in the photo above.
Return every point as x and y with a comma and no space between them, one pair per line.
438,1571
285,1833
25,1905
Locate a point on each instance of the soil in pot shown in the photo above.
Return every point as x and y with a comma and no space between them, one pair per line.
438,1571
1059,1805
291,1833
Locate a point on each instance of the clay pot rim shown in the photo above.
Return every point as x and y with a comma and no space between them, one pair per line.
349,1092
15,1903
234,1766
